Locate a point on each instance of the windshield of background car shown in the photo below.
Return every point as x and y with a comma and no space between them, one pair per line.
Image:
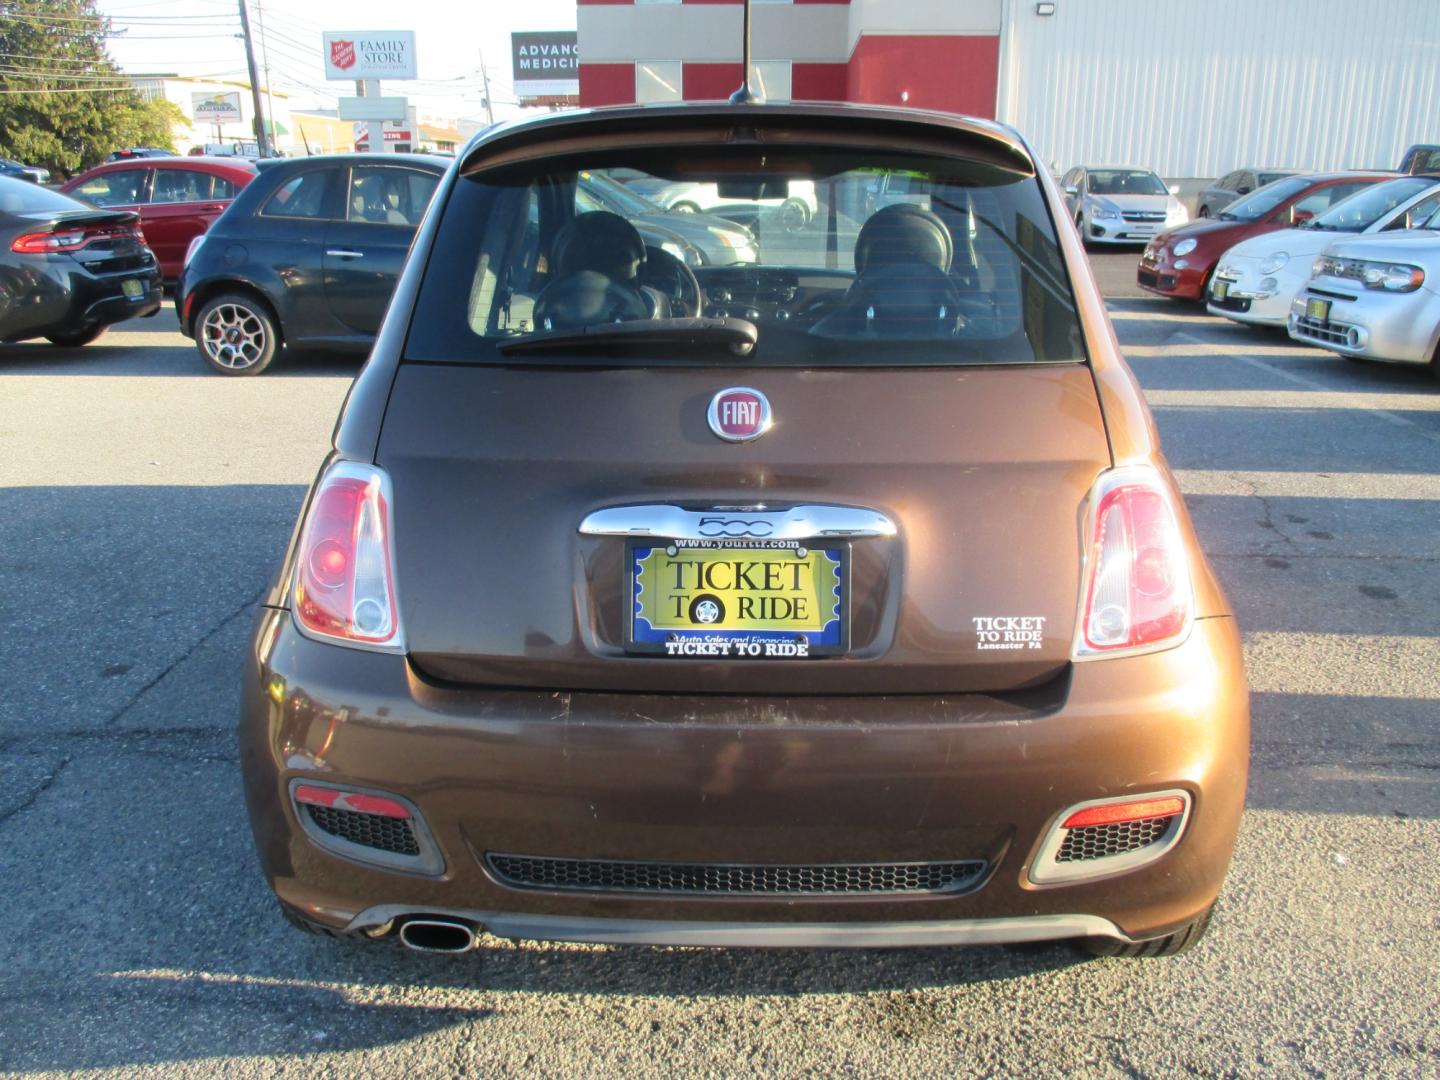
1125,182
857,259
1364,208
1261,201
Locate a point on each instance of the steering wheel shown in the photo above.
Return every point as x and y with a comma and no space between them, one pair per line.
587,298
668,275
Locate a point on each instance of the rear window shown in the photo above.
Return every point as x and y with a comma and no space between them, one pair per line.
834,258
23,197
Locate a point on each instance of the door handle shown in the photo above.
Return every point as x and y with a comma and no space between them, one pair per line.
345,253
213,207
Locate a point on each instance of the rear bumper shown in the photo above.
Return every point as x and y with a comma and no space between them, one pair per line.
64,298
712,779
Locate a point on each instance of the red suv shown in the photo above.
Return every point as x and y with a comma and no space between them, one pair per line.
177,198
1179,263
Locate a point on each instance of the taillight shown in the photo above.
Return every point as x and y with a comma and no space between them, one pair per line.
63,241
1137,595
344,578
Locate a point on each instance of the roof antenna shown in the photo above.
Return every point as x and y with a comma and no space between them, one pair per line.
744,95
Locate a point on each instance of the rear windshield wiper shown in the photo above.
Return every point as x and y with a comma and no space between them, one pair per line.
739,335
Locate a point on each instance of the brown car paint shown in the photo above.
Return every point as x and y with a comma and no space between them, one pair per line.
515,724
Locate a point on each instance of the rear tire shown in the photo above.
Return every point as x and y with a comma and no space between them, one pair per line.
236,334
1169,945
75,340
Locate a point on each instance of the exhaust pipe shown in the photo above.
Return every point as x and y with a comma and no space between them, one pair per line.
438,935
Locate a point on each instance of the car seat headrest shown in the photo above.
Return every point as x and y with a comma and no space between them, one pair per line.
602,242
901,234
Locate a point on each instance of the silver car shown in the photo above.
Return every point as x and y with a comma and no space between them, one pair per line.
1121,204
1375,298
1221,193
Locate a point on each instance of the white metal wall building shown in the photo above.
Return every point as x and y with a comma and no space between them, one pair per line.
1195,90
1192,89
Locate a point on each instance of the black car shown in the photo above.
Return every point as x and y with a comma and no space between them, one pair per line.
36,174
306,256
67,270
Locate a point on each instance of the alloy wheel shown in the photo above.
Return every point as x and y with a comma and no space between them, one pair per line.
233,336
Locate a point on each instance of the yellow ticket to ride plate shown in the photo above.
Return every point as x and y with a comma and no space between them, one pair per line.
737,598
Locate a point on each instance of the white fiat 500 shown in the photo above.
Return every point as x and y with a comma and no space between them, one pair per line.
1256,280
1375,298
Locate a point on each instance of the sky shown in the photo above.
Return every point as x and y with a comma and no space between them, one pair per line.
200,38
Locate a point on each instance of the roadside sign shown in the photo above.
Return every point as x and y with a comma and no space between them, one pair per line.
215,108
373,108
545,63
369,54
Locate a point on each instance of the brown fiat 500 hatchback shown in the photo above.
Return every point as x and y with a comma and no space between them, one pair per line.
841,597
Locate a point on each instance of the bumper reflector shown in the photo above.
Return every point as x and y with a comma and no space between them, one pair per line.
357,801
1114,813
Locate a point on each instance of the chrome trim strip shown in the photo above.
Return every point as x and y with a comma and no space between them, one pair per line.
1044,870
732,523
861,935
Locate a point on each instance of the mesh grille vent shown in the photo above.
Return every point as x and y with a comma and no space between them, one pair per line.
1100,841
395,835
584,875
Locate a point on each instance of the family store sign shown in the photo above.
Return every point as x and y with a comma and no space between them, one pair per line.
369,54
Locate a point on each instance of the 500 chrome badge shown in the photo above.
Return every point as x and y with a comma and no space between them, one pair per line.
739,414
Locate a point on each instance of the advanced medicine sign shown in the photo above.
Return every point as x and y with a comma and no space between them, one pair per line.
369,54
215,108
545,63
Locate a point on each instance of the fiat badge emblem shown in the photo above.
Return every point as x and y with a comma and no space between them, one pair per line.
739,414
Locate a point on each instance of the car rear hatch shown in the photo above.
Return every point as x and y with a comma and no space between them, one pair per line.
982,472
524,485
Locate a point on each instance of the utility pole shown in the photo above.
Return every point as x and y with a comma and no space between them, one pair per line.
485,79
265,60
261,136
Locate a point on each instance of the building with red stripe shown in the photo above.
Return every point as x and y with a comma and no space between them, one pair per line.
931,54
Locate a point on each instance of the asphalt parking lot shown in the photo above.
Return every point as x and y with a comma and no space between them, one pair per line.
143,505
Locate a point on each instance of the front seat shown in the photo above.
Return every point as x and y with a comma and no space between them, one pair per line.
596,259
902,284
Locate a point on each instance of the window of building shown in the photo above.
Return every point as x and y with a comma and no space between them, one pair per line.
771,78
660,80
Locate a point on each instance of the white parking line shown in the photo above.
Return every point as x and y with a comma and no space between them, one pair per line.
1422,487
1310,384
1426,401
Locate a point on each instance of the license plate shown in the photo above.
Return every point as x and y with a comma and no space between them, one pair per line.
1317,309
133,288
738,599
1220,289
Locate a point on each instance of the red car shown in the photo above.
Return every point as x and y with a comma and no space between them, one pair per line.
177,197
1179,263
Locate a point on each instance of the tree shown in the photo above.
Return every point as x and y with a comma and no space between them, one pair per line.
64,103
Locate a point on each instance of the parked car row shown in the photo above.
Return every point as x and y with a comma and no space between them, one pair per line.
1339,260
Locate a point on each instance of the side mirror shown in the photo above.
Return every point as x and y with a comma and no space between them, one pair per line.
1174,189
1071,189
1243,190
1299,217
